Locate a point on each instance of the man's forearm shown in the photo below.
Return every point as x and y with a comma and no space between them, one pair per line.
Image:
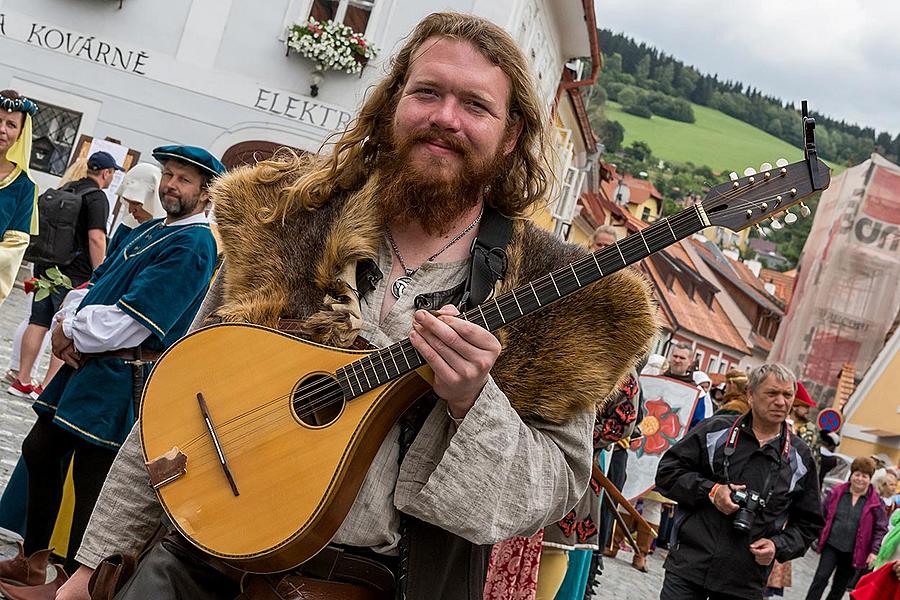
96,247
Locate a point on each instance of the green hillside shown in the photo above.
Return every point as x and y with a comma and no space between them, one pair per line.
721,142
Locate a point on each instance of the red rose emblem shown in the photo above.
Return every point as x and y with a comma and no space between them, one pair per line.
660,427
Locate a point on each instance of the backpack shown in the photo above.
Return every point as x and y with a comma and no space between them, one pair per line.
56,243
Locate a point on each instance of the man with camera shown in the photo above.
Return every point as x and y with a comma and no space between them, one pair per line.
747,494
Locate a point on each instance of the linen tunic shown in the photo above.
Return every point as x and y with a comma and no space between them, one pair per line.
158,276
494,477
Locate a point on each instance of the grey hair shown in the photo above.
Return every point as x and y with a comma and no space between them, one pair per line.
681,346
606,229
781,373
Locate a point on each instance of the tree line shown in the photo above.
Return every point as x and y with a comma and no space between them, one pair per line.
646,81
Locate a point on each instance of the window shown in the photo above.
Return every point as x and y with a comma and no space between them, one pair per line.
698,358
713,364
723,366
354,13
645,216
53,135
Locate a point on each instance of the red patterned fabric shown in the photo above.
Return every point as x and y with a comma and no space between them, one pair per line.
513,569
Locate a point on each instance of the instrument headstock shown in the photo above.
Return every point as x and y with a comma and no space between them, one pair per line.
748,200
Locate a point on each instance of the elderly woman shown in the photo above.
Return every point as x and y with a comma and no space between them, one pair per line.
855,524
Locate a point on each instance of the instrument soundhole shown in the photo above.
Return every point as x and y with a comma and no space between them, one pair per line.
318,400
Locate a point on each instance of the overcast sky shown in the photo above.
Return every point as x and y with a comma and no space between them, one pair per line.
841,55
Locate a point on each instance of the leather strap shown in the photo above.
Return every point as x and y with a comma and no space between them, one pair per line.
136,355
489,260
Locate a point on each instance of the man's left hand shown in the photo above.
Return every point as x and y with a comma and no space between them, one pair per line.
64,348
870,560
764,551
460,353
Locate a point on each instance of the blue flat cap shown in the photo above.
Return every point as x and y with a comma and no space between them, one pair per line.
200,158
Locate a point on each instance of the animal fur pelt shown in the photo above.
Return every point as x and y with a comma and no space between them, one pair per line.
555,363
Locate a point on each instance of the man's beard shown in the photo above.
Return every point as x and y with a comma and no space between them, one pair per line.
179,208
432,197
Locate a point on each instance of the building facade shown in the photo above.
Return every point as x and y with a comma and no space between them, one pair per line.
215,73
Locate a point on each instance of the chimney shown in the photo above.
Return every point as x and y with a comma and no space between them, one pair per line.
754,265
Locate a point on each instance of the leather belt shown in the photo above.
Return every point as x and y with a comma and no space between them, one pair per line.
299,587
135,356
334,564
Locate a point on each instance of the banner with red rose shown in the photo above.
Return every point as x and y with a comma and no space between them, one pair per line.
668,406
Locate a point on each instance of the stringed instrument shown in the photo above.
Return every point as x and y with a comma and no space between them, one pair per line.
258,461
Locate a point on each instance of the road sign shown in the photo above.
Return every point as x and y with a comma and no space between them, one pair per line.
830,420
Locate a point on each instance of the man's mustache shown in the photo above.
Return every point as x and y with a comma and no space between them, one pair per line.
433,136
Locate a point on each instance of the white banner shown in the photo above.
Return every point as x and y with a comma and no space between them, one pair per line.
668,406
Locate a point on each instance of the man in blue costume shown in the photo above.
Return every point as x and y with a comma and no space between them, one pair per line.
18,193
140,300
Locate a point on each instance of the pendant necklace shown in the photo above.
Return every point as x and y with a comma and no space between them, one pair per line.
400,284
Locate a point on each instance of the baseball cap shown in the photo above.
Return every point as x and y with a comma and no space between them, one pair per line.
102,160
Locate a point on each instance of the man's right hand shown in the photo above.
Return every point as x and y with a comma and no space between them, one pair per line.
76,588
722,499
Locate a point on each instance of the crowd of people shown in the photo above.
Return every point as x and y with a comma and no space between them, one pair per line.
492,485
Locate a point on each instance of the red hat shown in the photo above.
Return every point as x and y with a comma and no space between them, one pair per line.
803,396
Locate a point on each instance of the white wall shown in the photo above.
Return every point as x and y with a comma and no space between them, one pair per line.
214,72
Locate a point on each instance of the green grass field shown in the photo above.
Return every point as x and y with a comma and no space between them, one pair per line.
721,142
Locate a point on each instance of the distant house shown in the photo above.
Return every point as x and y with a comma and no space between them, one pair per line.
780,285
767,253
754,310
690,310
872,414
638,196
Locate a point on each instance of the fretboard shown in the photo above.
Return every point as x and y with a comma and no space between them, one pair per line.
396,360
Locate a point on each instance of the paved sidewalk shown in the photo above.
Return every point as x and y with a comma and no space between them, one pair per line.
621,582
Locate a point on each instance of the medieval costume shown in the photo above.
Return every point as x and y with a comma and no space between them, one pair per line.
139,301
534,416
18,198
578,532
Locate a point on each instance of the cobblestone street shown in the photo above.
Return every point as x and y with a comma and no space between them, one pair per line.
619,580
16,415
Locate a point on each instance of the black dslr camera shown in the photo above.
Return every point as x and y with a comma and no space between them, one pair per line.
750,502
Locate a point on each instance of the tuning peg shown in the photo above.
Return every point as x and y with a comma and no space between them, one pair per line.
804,210
776,224
790,217
749,171
765,167
733,176
781,162
760,231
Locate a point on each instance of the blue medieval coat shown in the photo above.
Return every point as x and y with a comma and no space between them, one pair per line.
156,274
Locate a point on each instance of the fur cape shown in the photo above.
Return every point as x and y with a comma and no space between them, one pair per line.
555,363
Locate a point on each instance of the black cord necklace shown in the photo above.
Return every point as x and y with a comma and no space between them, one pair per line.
400,284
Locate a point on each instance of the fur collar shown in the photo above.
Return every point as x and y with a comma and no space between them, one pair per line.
555,363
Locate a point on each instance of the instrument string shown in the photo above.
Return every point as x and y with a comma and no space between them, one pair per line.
543,284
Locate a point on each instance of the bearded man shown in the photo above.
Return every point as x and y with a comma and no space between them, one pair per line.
354,245
140,299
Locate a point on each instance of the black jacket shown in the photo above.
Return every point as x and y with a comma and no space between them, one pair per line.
706,549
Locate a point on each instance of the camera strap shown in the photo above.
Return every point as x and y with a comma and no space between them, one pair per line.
731,442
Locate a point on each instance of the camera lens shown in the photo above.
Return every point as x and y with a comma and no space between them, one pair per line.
743,520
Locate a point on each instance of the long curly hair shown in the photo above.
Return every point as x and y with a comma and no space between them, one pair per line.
309,181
